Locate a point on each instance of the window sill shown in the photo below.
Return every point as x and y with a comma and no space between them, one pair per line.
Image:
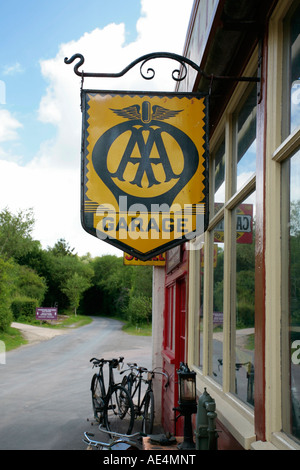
282,442
234,416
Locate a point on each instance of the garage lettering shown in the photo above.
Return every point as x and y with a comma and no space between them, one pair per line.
162,222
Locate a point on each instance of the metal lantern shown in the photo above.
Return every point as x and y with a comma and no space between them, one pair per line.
187,403
187,385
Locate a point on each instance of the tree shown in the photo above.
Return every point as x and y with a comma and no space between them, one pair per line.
29,284
142,281
114,281
6,290
15,233
62,248
56,267
74,288
139,310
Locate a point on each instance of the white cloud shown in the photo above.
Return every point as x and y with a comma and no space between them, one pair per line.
13,69
50,183
8,126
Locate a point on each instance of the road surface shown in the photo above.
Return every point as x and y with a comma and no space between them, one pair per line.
45,396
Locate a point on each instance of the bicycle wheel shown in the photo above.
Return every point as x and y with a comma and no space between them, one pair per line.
98,394
128,381
148,414
119,411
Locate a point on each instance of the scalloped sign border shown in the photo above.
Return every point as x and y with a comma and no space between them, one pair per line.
144,174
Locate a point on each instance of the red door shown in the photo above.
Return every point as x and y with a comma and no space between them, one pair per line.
181,287
174,351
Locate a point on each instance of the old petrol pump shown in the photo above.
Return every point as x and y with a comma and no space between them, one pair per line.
206,434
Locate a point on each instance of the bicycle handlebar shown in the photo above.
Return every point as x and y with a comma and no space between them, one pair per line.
135,367
143,370
113,362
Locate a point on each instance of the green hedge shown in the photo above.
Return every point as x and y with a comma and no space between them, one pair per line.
6,291
139,310
24,307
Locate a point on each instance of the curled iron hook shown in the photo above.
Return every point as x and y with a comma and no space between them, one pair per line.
154,55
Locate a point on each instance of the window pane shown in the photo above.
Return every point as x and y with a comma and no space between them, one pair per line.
246,140
295,68
219,176
200,331
170,330
294,297
243,382
217,345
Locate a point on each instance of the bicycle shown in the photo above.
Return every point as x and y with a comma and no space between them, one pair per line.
118,441
144,406
112,405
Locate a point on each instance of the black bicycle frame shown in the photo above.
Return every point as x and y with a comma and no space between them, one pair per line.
138,387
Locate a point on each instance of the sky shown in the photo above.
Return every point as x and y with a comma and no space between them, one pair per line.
40,117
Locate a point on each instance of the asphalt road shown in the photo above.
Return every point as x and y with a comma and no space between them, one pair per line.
45,398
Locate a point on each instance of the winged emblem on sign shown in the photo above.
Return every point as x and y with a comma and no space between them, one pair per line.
146,114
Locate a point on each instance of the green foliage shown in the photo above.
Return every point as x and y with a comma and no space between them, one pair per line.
32,277
29,284
56,267
119,286
245,284
23,308
113,280
62,248
74,288
139,309
6,289
142,281
245,314
15,233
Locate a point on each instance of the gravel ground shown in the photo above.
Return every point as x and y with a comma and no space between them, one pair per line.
36,334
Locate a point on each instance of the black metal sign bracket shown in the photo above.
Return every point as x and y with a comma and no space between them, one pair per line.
178,74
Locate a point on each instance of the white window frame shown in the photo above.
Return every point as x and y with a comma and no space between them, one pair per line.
233,413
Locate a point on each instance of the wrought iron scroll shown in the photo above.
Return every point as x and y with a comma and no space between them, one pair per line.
177,74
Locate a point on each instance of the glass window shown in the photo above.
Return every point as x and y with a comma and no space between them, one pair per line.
200,331
170,319
292,334
243,375
291,232
246,139
295,68
218,276
219,177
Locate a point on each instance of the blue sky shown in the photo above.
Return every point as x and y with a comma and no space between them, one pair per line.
40,118
31,31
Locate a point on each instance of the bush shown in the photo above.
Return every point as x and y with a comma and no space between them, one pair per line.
6,289
139,310
5,317
29,284
24,307
245,315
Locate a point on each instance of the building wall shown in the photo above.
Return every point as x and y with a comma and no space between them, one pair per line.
254,417
158,302
242,327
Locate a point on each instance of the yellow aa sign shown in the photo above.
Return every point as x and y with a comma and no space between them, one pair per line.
130,260
144,169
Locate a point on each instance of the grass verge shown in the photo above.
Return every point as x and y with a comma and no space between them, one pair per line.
141,330
12,338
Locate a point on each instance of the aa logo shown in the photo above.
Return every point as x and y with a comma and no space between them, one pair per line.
150,151
136,158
